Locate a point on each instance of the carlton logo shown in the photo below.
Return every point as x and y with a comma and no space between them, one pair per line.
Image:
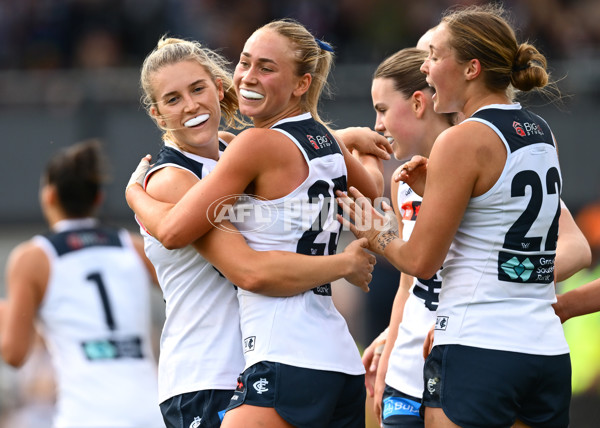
519,129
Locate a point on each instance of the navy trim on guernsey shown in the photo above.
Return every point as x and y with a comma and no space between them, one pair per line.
169,155
520,127
74,240
318,142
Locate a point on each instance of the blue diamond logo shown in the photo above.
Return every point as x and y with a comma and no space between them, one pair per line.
514,268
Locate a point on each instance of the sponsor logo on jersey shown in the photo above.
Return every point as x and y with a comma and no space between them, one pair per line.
249,343
319,141
441,322
519,129
112,349
261,385
76,240
527,128
515,268
535,268
196,422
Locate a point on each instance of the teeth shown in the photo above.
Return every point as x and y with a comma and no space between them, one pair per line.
251,94
197,120
390,139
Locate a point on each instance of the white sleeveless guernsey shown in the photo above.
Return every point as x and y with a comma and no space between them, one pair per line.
95,319
498,277
405,368
200,346
305,330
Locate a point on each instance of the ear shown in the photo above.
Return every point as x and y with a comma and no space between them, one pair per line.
419,104
219,84
473,69
156,116
98,199
48,195
303,85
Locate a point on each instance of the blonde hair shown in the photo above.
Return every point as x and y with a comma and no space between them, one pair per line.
312,56
482,32
170,51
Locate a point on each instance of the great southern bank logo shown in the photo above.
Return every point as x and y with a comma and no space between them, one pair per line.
515,268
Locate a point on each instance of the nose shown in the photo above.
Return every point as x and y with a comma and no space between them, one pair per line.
425,66
189,103
379,126
248,75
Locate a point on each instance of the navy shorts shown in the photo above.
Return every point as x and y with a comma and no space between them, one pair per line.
400,410
488,388
305,398
198,409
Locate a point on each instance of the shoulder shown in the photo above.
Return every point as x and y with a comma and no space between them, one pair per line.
28,262
257,134
260,142
169,184
27,252
467,139
226,136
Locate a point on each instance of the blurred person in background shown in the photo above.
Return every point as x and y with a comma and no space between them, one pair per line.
86,288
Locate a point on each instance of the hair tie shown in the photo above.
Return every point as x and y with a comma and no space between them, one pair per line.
324,45
517,68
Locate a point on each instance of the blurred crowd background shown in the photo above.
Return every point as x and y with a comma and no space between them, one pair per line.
69,71
57,34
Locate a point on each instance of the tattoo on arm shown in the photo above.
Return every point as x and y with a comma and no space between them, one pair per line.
384,238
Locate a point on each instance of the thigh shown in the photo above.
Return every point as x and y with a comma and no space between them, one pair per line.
436,418
400,410
248,416
200,409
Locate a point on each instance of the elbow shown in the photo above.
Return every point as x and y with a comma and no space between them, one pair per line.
252,281
171,240
424,267
586,257
12,358
425,271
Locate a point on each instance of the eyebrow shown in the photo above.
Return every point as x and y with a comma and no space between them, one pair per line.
262,60
194,83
